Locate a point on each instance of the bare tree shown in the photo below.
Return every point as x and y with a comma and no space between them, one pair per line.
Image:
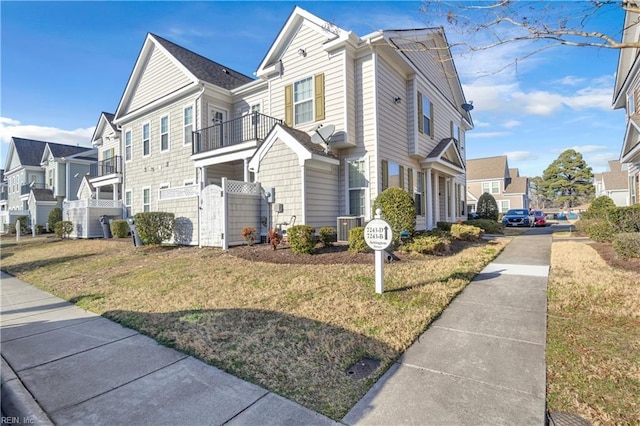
482,25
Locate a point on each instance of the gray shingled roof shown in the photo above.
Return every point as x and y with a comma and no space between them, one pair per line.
30,151
518,185
305,140
615,180
203,68
438,149
43,194
487,168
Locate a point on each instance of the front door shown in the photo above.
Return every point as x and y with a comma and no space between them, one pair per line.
216,135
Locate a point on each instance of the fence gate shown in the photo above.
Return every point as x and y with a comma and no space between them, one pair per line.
212,216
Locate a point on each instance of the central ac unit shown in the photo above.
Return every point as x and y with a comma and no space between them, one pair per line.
346,223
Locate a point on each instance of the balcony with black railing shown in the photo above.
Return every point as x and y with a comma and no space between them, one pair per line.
107,167
252,127
26,189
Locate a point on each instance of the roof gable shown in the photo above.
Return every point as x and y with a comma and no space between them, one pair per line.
631,144
446,155
27,151
104,128
488,168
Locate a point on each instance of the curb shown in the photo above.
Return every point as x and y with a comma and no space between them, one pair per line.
18,405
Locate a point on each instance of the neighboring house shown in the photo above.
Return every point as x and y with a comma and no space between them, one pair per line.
331,121
627,95
40,175
614,183
4,196
493,175
106,174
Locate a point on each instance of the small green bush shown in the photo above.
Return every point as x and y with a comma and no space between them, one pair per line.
487,207
399,209
465,232
39,229
357,244
598,229
119,228
598,209
327,236
154,227
55,216
428,244
302,239
625,219
445,226
63,228
627,244
487,225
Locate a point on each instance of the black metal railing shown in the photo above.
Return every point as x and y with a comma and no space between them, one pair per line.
26,189
106,167
250,127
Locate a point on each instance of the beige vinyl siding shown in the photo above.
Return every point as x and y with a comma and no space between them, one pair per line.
281,169
322,196
365,123
173,166
160,76
316,61
231,171
392,117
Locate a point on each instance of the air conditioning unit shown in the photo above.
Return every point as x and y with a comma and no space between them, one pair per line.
346,223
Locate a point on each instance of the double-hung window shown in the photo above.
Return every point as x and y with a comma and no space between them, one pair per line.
491,187
127,202
146,200
303,100
146,136
357,187
418,194
164,133
188,124
127,145
425,115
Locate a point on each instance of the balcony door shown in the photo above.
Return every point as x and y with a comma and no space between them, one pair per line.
217,133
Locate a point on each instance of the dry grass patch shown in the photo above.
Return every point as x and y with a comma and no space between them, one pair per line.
593,340
292,328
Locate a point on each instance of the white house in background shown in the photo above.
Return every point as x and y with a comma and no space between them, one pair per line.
614,183
331,121
627,95
41,175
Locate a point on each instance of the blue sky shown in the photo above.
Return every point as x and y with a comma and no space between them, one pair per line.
63,63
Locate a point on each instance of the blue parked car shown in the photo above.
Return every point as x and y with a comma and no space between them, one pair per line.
516,217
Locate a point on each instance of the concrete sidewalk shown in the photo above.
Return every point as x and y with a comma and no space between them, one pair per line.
84,369
483,361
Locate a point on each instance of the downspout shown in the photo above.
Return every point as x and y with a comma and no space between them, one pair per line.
199,197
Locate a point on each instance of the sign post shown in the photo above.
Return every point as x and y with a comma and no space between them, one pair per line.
378,236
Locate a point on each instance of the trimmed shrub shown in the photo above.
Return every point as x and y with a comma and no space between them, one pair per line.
465,232
55,216
487,225
598,229
428,244
154,227
599,208
274,238
327,236
63,228
399,209
627,244
39,229
625,219
445,226
302,239
119,228
487,207
248,234
357,244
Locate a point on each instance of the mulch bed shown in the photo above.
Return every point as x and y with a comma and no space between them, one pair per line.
609,255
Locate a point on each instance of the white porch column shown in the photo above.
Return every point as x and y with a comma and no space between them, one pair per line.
247,175
116,195
452,198
429,192
436,204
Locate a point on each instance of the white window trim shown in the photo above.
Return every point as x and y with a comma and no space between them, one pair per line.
508,205
143,189
367,189
130,132
129,206
490,183
426,107
148,140
193,122
312,100
168,117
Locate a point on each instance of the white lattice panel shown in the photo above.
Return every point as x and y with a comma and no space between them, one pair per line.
239,187
179,192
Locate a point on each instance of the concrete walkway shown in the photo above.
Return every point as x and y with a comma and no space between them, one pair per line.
481,362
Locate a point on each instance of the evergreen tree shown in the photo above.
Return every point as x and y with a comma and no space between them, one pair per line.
567,181
487,207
